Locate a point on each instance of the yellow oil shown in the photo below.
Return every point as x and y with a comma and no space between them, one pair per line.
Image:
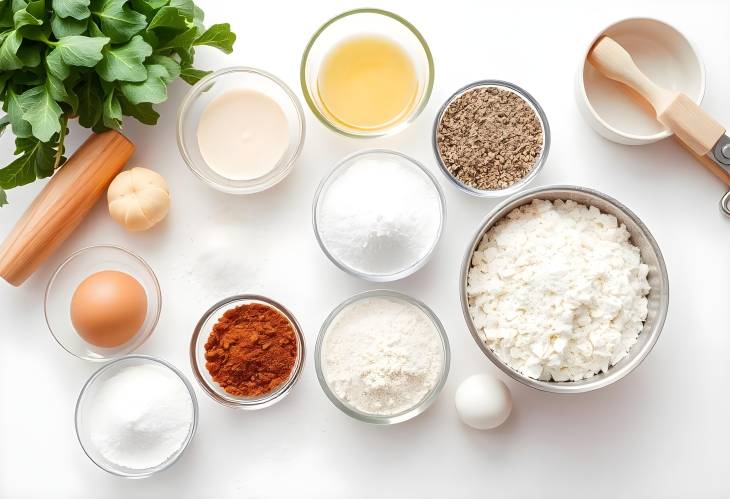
367,83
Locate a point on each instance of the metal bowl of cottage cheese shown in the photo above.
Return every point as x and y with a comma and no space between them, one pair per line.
571,344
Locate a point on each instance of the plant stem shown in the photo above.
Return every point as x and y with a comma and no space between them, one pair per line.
61,140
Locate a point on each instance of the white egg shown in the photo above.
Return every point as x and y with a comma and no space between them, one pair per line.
483,402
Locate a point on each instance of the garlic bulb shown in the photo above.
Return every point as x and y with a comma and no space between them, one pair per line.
138,199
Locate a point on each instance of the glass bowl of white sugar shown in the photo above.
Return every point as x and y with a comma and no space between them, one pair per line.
564,289
378,215
382,357
135,416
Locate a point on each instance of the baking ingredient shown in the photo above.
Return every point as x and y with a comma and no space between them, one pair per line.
558,291
62,204
489,138
382,356
99,60
140,417
108,308
367,82
483,402
243,134
138,199
251,350
379,215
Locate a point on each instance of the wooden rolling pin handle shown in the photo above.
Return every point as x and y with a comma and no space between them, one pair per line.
62,204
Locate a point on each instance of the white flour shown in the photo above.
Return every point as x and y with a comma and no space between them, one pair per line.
558,291
140,417
382,356
380,216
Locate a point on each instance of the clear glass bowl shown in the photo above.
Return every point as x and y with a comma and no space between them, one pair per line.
495,193
71,273
322,193
366,22
218,83
197,354
81,417
414,411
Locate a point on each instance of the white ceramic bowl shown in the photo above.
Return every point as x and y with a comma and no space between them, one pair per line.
661,52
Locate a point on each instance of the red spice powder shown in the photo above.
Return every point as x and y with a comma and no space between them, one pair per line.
251,350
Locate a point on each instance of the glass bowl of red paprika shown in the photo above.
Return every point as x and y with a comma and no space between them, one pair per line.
247,351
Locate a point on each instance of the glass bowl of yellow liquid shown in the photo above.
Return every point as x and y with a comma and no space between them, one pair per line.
367,73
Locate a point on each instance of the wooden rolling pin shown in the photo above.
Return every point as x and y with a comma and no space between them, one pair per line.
62,204
696,130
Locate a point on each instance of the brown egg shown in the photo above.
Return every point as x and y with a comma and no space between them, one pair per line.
108,308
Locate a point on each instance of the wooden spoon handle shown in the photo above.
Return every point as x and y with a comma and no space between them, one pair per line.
62,204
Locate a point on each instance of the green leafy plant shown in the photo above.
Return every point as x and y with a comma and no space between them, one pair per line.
98,60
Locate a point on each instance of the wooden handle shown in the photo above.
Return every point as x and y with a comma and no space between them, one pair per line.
62,204
691,125
612,60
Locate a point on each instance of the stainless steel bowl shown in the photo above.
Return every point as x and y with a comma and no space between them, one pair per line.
650,255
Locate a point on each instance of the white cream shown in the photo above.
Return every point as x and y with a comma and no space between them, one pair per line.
243,134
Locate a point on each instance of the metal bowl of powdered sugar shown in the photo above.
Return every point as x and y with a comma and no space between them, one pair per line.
564,289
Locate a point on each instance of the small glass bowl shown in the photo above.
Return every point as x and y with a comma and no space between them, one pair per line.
322,192
495,193
197,354
366,22
218,83
414,411
67,278
89,390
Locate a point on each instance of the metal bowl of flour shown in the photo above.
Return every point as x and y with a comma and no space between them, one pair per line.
658,298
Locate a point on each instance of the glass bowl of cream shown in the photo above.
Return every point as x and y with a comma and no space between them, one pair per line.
367,73
240,130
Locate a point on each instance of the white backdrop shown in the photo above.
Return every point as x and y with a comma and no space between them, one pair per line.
661,432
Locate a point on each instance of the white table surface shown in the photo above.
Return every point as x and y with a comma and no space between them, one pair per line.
662,432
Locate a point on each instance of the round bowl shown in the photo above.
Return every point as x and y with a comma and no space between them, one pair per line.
197,354
218,83
366,22
322,192
88,391
411,413
68,276
651,255
660,51
493,193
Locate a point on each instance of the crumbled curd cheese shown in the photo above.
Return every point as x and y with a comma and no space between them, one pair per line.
558,291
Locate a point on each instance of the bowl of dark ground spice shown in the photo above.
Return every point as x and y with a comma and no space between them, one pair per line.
247,351
491,138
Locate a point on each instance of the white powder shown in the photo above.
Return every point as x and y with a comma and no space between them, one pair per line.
557,290
380,216
382,356
140,417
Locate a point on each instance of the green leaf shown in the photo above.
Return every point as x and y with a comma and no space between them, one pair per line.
3,198
112,112
144,113
218,36
117,20
42,112
153,89
192,75
9,59
14,107
24,18
83,51
67,26
183,40
76,9
30,55
61,93
170,64
89,102
94,30
36,161
125,62
56,66
171,18
148,7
